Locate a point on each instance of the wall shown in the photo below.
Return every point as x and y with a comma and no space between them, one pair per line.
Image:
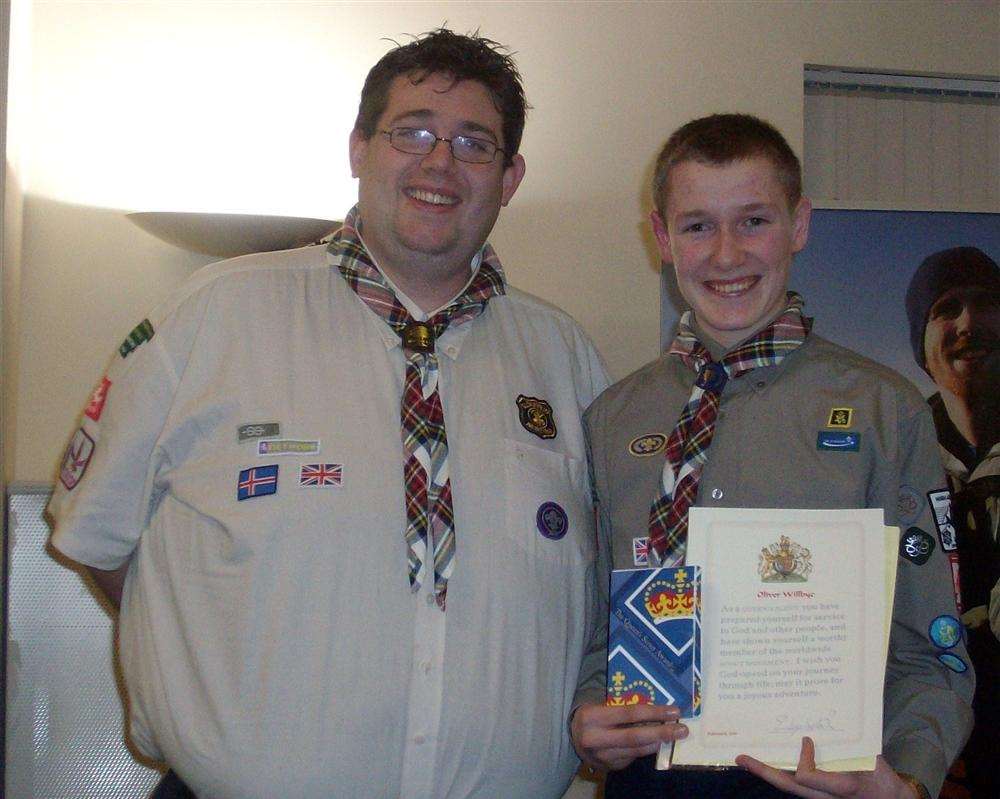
223,106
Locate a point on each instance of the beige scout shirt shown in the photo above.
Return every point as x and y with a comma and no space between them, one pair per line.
272,646
765,454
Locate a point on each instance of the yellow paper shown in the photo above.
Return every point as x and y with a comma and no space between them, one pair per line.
796,617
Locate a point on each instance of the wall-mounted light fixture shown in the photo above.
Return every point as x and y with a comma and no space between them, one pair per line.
229,235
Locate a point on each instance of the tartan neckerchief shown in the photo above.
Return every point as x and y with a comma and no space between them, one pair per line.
688,444
425,442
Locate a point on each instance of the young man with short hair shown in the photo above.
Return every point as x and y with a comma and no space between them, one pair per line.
743,401
953,306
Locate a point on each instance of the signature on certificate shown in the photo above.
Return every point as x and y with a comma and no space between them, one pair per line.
786,724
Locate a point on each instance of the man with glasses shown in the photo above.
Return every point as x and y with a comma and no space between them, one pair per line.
341,491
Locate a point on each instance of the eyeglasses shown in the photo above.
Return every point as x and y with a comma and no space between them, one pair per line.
417,141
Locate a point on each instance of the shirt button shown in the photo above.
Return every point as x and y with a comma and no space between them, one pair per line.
716,493
760,384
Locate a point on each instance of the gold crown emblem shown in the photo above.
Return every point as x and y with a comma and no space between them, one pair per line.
637,692
784,561
666,599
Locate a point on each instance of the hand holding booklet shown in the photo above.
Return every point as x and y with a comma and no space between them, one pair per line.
654,650
792,635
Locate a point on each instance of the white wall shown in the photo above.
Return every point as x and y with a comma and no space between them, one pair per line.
247,106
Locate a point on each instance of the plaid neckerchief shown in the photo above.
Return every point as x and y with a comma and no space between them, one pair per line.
425,466
687,447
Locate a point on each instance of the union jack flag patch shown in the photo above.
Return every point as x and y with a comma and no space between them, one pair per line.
640,551
317,475
257,482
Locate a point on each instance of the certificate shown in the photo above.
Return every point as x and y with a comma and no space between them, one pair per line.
795,618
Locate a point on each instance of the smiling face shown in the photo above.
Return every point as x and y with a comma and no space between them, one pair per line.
962,340
431,212
730,236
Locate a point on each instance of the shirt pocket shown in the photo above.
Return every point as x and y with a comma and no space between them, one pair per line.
548,513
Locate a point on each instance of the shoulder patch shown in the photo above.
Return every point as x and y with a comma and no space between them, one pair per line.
953,662
940,501
956,581
96,404
945,632
916,546
141,333
76,459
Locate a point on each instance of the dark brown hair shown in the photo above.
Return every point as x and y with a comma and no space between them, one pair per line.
442,51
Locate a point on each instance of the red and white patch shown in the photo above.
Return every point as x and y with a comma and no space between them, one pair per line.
956,580
96,404
76,460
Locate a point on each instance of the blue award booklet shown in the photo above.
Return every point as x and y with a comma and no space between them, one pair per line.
654,638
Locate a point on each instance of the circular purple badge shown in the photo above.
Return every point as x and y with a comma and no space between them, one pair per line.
551,520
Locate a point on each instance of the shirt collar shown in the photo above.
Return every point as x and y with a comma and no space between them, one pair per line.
415,310
761,376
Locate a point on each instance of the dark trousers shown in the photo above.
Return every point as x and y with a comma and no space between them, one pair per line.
641,780
171,787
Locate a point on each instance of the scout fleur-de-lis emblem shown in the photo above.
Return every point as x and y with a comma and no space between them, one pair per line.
536,416
840,417
649,444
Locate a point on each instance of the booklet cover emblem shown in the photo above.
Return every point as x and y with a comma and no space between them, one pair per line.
654,638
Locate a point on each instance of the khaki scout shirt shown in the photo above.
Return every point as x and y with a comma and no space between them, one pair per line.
765,453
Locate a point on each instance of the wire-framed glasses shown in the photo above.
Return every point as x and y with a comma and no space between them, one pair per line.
418,141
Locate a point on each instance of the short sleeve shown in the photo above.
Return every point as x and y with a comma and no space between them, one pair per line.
104,492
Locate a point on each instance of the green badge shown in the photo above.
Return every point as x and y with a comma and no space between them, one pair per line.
142,332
